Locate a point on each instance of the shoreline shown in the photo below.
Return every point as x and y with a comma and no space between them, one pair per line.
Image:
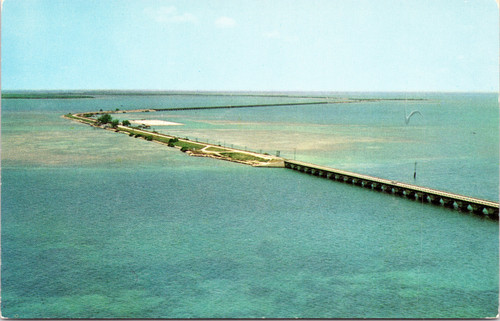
191,148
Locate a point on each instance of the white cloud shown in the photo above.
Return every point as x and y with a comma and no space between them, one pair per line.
169,15
225,22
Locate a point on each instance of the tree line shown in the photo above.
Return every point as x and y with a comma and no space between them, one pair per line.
107,119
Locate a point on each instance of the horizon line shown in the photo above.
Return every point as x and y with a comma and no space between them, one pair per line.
253,91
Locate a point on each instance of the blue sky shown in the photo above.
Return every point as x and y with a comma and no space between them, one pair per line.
325,45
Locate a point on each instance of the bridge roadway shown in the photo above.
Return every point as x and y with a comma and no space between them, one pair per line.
430,195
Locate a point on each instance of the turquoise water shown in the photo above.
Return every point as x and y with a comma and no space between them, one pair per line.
455,143
96,224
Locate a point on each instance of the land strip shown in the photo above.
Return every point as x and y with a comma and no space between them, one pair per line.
322,102
202,149
190,147
44,96
242,106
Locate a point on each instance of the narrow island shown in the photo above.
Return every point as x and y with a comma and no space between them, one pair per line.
193,148
36,95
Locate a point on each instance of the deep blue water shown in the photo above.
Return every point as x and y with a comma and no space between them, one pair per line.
96,224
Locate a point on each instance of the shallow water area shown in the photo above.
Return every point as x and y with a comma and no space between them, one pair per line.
454,142
97,224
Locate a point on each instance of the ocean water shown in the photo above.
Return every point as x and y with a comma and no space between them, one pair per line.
455,142
101,225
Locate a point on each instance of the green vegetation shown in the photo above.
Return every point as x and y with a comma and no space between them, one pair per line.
128,130
104,119
243,157
184,144
90,121
188,145
136,132
107,119
216,149
162,139
172,142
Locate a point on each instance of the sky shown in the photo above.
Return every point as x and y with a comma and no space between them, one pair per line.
261,45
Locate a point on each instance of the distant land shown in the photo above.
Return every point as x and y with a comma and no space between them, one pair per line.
86,94
43,96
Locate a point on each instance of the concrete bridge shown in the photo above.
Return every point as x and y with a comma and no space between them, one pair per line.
424,194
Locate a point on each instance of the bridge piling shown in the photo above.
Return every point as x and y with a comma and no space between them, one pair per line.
412,192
